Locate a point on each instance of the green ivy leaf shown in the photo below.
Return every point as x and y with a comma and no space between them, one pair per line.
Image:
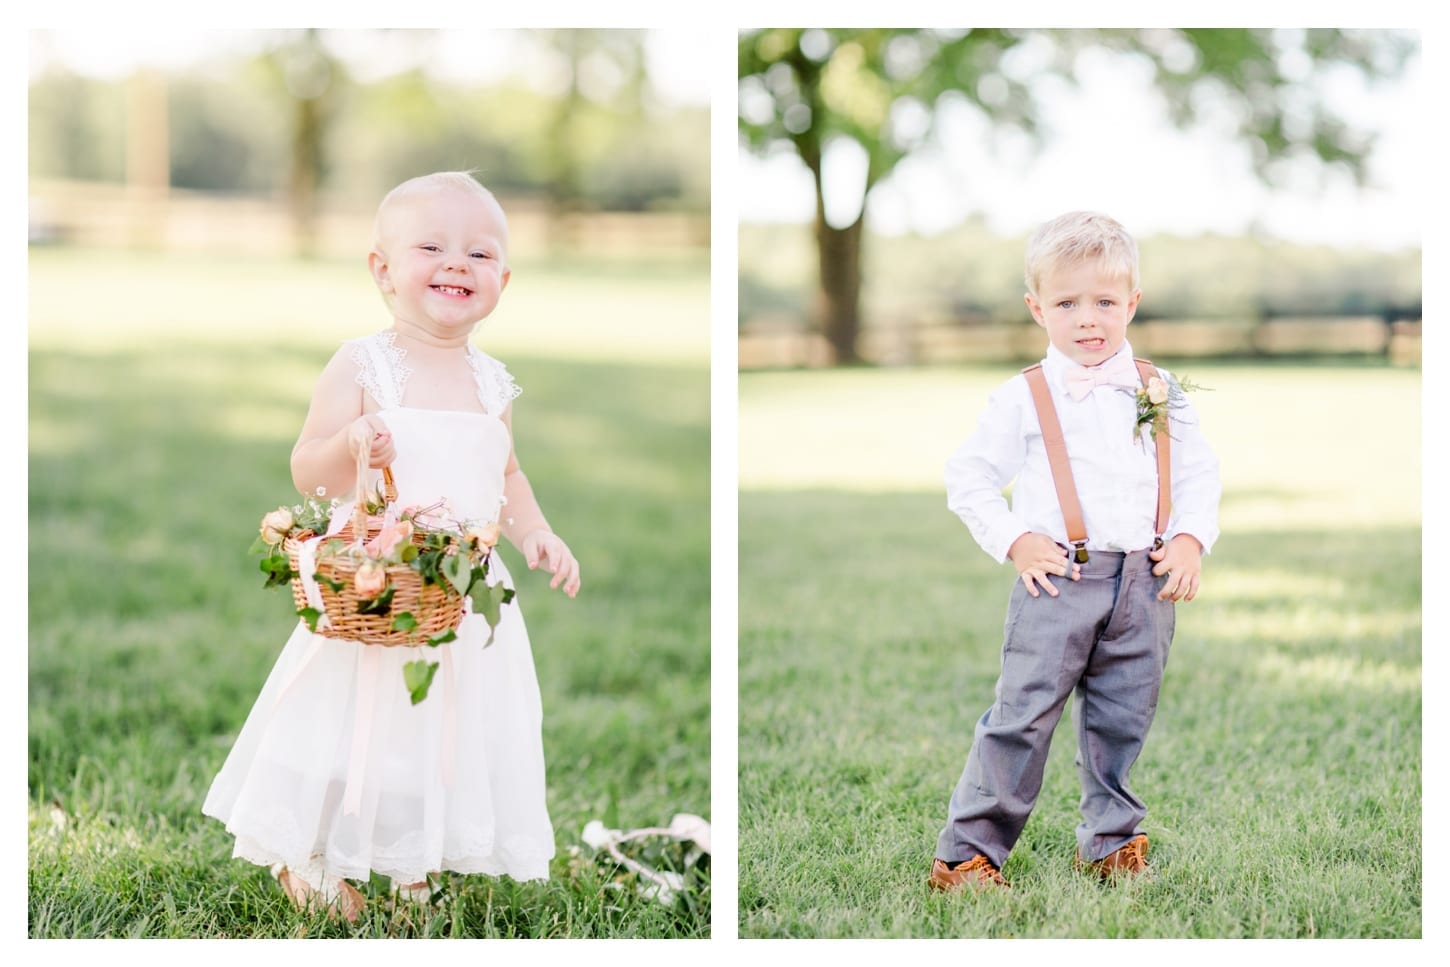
427,564
443,637
309,615
405,622
278,570
337,586
418,675
409,552
456,568
488,601
379,605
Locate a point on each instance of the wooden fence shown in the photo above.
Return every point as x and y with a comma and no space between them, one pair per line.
782,342
115,216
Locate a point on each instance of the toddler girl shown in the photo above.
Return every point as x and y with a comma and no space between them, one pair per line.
336,774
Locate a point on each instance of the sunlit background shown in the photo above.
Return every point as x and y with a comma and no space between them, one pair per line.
1269,176
277,144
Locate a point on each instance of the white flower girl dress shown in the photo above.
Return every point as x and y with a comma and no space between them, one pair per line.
335,773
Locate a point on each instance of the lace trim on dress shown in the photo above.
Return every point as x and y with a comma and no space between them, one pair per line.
380,368
382,372
496,386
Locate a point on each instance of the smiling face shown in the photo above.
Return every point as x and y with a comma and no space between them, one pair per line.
1085,309
440,259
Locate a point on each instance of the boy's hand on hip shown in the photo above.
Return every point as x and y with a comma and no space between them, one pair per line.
1182,560
1036,556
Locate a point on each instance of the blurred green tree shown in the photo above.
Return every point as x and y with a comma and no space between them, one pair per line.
312,79
871,96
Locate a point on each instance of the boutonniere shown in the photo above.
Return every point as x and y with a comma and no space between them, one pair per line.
1155,400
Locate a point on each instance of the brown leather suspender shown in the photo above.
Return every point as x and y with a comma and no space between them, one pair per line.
1057,459
1161,440
1056,445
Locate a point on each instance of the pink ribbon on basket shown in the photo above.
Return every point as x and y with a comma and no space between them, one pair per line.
367,676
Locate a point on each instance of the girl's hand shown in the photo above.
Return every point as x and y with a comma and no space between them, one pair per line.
370,431
539,546
1036,556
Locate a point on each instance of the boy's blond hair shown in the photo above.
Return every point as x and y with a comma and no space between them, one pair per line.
438,181
1077,236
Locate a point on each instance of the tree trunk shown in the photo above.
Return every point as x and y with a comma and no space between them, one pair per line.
839,308
306,165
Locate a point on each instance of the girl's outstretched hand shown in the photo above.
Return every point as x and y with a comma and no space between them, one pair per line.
544,547
371,431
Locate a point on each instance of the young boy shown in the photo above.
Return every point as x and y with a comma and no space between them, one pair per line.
1103,629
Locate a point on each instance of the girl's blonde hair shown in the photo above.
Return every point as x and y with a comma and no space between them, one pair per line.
438,181
1077,236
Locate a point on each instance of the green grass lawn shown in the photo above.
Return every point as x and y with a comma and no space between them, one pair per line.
154,449
1283,772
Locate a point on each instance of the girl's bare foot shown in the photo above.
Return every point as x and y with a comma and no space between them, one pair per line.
348,903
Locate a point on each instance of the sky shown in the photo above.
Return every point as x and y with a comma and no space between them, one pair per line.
1131,162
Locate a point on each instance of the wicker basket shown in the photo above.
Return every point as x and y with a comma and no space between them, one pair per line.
434,607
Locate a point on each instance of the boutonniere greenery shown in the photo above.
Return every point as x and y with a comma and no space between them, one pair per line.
1155,400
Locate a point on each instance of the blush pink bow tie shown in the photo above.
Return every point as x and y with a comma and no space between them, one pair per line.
1118,371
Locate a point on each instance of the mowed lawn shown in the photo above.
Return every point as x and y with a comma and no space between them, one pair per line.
1283,771
155,446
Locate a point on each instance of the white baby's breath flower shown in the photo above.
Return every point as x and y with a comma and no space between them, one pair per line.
321,491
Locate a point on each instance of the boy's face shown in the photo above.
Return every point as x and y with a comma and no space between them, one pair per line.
1084,310
441,259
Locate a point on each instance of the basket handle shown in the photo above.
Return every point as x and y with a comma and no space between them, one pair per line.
390,490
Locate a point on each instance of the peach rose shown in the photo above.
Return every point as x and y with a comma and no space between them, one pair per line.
276,524
370,580
1157,391
486,535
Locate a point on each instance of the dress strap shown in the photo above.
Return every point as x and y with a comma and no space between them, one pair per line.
496,386
380,368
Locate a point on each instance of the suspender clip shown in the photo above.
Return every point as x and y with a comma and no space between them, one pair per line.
1157,541
1081,556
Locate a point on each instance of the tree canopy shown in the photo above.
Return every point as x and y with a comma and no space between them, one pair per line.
876,94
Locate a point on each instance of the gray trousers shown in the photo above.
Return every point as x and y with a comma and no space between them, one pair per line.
1105,636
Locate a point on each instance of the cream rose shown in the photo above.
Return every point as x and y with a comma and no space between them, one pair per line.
276,525
370,580
1157,391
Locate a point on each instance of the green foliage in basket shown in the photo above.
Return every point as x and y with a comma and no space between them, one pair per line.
452,555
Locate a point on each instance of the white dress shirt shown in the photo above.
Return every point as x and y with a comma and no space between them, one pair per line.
1116,475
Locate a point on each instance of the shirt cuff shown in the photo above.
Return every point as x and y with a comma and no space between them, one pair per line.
1004,537
1205,532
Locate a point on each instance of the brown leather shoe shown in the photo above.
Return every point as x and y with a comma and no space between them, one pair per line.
977,873
1130,859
